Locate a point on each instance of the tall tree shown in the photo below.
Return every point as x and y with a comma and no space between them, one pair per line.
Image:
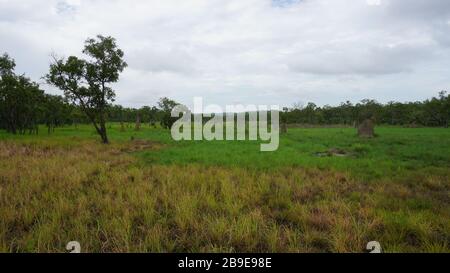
86,82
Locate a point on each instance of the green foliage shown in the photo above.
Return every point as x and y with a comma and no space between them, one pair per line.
165,106
56,112
20,99
23,105
7,65
433,113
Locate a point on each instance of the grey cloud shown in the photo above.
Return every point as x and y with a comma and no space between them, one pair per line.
428,10
276,51
162,60
368,60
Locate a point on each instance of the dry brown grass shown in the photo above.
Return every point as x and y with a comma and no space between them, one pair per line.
104,198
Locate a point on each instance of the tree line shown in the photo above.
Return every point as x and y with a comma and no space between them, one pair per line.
89,98
434,112
23,105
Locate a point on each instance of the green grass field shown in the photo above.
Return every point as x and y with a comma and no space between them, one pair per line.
145,192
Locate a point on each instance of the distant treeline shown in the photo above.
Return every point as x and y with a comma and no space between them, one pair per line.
24,106
434,112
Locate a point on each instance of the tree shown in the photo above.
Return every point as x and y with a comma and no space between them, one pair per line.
311,113
77,116
85,82
437,110
7,65
55,112
165,106
368,109
20,100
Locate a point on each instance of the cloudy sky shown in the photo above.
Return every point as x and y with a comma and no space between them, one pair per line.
245,51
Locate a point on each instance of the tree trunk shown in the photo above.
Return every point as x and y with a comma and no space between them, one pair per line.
105,138
102,132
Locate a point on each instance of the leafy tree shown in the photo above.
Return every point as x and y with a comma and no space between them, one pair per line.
311,113
55,112
7,65
20,100
368,109
165,106
437,110
77,116
86,82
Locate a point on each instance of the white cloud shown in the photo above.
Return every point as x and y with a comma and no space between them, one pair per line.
251,51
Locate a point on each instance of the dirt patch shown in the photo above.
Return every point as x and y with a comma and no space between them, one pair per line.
337,152
136,145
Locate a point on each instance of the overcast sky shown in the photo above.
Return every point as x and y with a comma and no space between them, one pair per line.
245,51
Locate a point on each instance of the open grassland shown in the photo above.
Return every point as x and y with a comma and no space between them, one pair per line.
153,194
